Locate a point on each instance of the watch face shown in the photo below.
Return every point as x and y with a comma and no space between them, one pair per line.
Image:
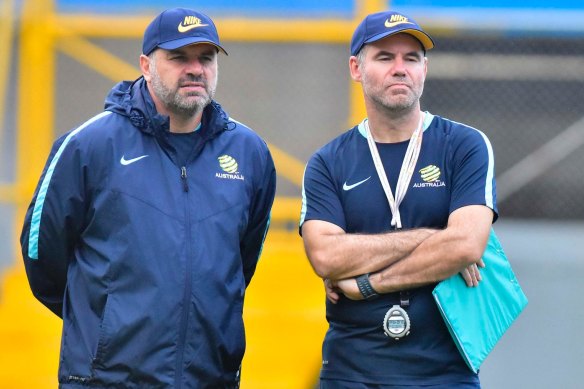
396,323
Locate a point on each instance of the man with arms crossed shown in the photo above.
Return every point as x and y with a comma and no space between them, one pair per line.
398,203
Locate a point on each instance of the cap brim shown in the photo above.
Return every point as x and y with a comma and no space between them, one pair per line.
424,38
178,43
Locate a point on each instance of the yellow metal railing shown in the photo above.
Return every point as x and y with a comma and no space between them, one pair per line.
36,96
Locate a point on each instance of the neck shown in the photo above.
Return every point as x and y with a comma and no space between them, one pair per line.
394,128
184,125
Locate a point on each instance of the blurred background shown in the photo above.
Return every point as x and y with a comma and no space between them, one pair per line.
513,69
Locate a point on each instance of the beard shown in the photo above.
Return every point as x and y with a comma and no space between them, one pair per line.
393,102
187,105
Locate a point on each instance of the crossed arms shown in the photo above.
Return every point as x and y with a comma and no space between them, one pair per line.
398,260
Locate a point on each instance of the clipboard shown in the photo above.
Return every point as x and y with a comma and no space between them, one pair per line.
478,317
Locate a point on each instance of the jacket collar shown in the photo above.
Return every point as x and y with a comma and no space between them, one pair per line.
132,99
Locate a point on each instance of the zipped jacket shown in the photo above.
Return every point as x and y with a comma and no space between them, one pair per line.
146,259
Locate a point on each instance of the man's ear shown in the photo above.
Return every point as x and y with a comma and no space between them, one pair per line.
354,69
145,67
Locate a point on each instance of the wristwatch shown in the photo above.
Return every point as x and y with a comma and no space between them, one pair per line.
365,287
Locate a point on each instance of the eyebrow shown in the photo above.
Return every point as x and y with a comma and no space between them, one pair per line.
415,53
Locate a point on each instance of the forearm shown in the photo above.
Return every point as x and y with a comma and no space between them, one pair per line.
442,255
339,255
47,277
47,249
431,262
48,291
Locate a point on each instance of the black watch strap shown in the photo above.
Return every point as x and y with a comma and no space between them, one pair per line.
365,287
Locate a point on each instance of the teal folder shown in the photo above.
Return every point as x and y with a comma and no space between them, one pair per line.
478,316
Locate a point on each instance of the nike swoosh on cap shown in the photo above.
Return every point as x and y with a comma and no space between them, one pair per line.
125,161
349,187
182,28
389,24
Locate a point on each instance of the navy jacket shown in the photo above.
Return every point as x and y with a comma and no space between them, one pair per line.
147,261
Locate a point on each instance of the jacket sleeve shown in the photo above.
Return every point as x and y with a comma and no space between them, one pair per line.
53,223
253,240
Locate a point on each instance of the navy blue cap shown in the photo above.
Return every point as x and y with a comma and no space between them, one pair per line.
178,27
379,25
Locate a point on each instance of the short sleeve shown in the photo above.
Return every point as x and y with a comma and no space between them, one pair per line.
473,181
320,198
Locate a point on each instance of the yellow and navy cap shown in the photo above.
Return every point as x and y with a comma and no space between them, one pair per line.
382,24
178,27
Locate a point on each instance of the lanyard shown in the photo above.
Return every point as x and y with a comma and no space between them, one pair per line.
405,173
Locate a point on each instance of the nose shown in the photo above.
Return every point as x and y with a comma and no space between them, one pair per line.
194,67
399,66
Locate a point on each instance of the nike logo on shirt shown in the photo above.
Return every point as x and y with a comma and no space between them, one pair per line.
349,187
125,161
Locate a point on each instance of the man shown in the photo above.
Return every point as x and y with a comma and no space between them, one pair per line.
391,207
148,222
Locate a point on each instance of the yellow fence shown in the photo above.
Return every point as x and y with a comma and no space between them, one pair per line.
284,311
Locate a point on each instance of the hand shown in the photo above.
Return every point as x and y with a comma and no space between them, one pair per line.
348,287
332,293
471,274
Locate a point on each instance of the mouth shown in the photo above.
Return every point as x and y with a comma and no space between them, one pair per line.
190,87
399,88
399,85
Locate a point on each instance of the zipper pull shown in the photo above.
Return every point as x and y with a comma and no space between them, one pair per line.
183,176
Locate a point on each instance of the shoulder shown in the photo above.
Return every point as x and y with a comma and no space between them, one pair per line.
246,146
102,125
460,137
96,140
245,134
339,146
458,131
467,149
89,131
